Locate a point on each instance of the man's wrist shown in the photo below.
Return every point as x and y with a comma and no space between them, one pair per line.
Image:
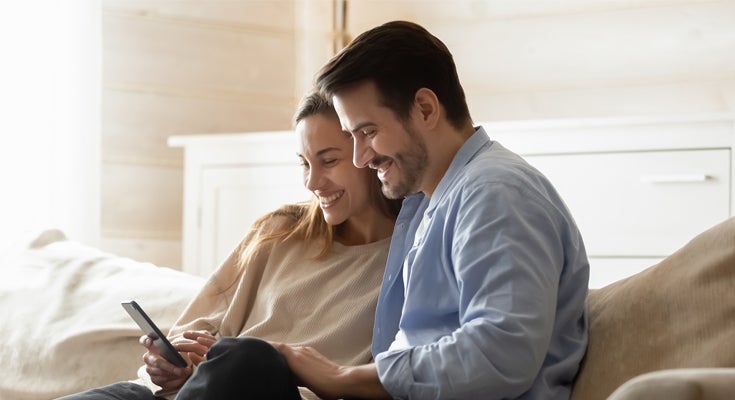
362,381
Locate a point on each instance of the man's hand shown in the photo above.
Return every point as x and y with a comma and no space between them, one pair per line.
313,370
329,380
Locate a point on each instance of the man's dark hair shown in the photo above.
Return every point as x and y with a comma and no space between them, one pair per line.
400,58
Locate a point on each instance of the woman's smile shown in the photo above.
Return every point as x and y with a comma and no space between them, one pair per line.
329,200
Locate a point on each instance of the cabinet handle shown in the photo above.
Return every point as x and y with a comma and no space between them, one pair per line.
675,178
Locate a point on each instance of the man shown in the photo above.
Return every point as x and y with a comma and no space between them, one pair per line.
484,291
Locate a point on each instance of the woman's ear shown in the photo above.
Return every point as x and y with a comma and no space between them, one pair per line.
429,106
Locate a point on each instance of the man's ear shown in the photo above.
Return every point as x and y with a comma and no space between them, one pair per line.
429,106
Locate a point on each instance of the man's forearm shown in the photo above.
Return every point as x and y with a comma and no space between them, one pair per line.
329,380
363,382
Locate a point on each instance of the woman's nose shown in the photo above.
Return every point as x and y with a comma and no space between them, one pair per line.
312,179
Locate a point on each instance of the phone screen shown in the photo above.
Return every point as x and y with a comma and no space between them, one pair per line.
165,347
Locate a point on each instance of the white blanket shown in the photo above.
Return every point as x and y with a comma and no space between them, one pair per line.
63,329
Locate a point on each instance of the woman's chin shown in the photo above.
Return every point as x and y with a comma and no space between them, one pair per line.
333,219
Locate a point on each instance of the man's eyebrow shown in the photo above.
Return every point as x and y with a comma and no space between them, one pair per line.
359,127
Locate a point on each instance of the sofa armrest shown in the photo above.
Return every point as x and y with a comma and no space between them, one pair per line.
679,384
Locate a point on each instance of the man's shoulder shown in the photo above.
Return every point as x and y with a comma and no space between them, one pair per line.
498,165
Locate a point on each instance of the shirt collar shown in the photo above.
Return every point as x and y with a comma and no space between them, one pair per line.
478,141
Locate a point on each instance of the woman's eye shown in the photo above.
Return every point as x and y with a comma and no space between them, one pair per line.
368,132
330,161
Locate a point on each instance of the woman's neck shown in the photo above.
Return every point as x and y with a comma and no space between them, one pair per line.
355,233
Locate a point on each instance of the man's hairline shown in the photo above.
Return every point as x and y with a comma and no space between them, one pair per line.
352,85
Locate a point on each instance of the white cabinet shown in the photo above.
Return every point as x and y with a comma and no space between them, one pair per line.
639,188
641,204
230,180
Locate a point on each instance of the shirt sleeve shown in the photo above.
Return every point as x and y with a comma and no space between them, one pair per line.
505,252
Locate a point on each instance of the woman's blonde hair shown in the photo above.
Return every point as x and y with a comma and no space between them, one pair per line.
305,221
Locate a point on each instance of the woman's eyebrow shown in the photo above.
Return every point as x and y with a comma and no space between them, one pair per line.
321,152
327,150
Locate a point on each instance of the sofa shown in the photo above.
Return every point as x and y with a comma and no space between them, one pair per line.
667,332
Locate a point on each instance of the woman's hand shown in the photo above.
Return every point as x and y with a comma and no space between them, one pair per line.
198,348
163,373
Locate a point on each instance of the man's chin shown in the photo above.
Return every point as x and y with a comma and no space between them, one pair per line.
393,192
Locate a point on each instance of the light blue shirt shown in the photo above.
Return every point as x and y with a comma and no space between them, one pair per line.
493,304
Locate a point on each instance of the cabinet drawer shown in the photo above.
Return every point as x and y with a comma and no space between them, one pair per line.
641,204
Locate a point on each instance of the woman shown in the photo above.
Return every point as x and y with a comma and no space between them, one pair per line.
307,274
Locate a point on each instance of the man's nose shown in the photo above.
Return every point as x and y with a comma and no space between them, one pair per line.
362,154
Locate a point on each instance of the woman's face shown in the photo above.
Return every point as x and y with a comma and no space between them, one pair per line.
326,157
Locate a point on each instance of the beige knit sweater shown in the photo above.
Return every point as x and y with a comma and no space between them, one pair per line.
288,296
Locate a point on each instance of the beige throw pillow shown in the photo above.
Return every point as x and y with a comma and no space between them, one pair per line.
679,313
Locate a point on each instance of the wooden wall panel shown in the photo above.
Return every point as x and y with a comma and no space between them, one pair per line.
182,67
315,40
137,124
578,59
675,98
263,15
368,13
197,58
161,252
142,201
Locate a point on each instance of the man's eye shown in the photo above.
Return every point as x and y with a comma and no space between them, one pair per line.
368,132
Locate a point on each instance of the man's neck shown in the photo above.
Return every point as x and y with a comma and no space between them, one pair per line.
442,145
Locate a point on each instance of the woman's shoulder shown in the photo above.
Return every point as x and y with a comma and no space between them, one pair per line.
258,241
281,219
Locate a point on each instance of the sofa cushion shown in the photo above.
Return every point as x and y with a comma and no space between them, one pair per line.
679,313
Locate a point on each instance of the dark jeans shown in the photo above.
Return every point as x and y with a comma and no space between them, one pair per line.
116,391
236,368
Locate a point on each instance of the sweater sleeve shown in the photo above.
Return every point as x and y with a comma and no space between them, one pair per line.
210,309
206,310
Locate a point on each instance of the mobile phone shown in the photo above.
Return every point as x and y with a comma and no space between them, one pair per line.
149,328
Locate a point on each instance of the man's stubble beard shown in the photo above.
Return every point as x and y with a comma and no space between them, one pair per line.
412,164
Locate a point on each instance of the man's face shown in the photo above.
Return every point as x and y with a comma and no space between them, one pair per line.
395,148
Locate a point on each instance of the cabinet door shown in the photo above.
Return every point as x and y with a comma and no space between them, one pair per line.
233,197
641,204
